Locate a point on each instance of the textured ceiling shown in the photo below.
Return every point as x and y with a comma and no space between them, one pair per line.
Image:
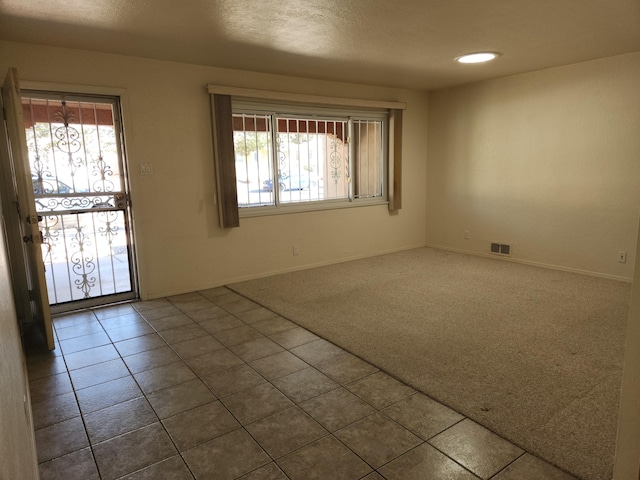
404,43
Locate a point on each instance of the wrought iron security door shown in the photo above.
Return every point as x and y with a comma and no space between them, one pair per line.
80,190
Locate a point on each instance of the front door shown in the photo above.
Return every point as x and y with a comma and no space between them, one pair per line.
24,238
80,190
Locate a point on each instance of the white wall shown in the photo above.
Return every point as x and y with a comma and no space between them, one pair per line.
167,122
17,442
548,162
628,442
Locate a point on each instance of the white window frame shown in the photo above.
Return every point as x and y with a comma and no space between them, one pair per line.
346,114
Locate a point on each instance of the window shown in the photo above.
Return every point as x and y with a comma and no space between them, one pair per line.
284,157
277,152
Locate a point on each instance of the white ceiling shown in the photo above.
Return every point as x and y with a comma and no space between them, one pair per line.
404,43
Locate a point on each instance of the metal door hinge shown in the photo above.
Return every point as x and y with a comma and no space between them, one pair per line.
33,219
29,238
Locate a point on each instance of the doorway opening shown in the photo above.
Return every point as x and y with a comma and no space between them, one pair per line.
78,173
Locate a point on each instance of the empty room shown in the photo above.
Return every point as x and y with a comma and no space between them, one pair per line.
338,240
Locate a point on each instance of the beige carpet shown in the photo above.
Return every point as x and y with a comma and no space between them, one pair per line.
533,354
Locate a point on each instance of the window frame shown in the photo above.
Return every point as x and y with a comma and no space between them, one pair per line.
224,157
348,115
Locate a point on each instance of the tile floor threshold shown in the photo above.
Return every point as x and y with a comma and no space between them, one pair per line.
210,385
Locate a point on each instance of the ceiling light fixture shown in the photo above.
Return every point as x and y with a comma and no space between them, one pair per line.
478,57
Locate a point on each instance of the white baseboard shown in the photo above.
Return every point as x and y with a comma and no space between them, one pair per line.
534,264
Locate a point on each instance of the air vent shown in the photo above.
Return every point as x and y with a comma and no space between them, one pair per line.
501,248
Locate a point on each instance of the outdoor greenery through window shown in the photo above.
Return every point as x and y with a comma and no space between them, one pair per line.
300,157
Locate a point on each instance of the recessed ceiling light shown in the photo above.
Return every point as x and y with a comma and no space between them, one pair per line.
478,57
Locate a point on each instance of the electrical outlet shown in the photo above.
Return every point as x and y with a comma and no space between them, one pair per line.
622,257
466,234
146,169
296,250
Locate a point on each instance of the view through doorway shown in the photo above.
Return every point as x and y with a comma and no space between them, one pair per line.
80,188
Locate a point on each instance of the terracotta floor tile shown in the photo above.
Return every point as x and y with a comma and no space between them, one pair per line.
149,359
233,380
99,373
170,321
50,386
278,365
304,384
77,465
173,468
213,361
54,409
212,311
45,367
423,462
86,358
528,467
140,344
183,333
103,313
200,425
226,457
84,342
337,409
118,419
180,398
270,471
323,459
163,308
129,331
60,439
476,448
222,323
71,319
148,305
380,390
317,351
273,325
423,416
254,349
132,451
80,330
346,368
255,315
377,439
285,431
240,306
238,335
196,346
256,403
107,394
164,377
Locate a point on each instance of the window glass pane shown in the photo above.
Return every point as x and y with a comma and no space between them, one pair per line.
313,159
368,169
254,163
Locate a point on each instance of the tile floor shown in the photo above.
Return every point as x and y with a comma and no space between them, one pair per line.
210,385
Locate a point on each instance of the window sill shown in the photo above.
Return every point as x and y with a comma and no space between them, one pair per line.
248,212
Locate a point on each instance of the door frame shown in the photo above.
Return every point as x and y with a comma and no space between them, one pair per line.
28,276
122,95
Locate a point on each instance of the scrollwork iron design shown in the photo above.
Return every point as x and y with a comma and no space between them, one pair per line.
82,260
68,137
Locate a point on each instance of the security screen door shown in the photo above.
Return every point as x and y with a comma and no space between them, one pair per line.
80,190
